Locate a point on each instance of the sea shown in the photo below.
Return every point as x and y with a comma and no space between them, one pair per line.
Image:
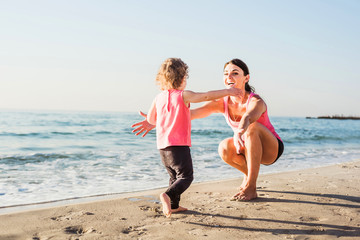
48,156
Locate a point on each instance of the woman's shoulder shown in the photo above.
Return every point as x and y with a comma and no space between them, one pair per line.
254,97
256,100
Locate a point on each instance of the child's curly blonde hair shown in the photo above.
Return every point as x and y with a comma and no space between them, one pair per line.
171,73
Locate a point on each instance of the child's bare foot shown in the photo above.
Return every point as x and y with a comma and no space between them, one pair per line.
165,200
179,209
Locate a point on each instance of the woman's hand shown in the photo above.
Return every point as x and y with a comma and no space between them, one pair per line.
240,131
144,126
238,142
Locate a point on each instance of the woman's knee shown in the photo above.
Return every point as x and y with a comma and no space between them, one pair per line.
224,149
253,130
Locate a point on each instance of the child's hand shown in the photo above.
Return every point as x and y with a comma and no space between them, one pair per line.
145,126
236,92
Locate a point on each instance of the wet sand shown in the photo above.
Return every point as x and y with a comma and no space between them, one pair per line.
318,203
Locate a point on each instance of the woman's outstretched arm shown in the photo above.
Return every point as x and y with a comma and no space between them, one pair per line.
208,108
215,106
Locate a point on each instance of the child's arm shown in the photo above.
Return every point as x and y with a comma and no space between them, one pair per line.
151,117
142,127
194,97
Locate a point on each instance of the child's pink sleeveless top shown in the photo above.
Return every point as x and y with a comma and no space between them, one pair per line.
263,119
173,120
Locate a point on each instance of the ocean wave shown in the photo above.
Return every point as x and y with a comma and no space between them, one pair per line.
11,134
42,157
78,133
35,134
319,139
206,132
63,133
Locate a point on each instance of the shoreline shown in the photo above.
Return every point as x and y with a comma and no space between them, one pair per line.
314,203
18,208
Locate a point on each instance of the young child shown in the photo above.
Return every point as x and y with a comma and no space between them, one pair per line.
170,112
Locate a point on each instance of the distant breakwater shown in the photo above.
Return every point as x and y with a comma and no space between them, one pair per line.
338,117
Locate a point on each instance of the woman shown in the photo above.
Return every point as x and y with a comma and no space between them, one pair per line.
254,142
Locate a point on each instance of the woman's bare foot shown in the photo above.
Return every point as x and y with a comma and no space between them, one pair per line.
244,182
242,186
246,194
179,209
165,200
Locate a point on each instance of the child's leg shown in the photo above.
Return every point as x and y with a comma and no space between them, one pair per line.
175,201
177,159
175,207
165,200
172,174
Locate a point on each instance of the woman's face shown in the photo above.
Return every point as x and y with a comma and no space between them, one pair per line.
234,77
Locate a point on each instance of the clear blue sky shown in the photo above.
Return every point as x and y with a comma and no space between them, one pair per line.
304,56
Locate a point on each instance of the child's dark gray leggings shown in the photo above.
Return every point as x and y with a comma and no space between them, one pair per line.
178,163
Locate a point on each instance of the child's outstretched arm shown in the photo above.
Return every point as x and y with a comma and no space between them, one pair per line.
195,97
151,117
143,126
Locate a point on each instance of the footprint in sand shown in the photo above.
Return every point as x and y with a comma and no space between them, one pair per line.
152,209
343,212
79,230
134,229
75,230
197,232
71,215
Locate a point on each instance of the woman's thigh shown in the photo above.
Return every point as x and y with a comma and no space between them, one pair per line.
269,143
227,152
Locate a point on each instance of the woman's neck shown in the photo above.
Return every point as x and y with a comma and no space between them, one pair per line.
240,100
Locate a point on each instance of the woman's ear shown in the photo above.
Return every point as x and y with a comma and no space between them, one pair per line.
247,78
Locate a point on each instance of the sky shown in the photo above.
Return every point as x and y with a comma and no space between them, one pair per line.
86,55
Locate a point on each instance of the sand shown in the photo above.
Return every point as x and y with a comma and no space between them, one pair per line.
318,203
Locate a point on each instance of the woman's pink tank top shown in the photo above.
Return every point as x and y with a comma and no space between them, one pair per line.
264,118
173,120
